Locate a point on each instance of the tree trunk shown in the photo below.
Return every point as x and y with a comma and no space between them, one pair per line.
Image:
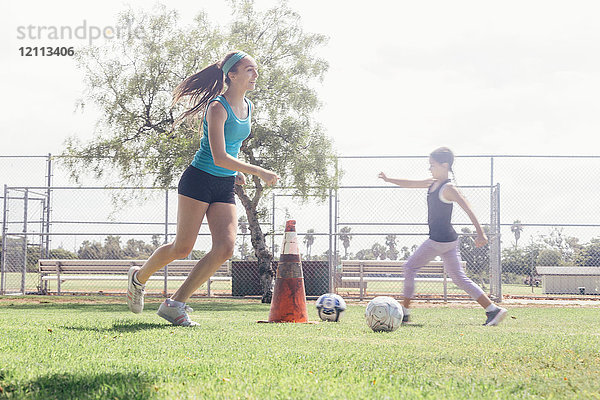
264,256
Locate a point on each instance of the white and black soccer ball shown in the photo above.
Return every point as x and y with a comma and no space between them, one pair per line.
330,307
384,313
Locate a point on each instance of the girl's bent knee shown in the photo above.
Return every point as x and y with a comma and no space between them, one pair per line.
179,252
224,252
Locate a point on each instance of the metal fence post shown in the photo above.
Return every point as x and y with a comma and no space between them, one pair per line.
24,271
273,226
49,205
330,258
498,245
492,232
166,270
4,230
494,245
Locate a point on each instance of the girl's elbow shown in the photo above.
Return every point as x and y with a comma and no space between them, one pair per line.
220,159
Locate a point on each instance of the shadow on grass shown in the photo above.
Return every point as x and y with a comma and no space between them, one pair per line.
216,305
120,327
227,306
82,386
66,306
412,325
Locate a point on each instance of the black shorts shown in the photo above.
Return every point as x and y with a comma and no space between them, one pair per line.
205,187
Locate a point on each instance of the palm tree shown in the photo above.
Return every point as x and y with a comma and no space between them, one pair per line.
516,229
345,237
379,251
390,241
309,239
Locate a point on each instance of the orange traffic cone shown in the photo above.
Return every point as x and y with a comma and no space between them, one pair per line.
289,298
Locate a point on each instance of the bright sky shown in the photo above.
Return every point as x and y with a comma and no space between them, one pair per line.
405,77
516,77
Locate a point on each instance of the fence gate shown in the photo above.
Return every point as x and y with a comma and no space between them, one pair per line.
23,241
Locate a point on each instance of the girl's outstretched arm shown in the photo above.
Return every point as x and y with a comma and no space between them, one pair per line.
451,194
405,183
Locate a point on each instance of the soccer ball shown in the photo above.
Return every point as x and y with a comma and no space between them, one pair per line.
330,307
384,314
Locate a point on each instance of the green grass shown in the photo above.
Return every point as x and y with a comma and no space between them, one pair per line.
66,348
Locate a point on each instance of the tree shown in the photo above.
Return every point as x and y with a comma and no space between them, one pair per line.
564,245
365,254
589,255
62,254
477,258
549,257
515,261
405,252
516,229
309,239
345,237
131,78
137,249
379,251
392,252
112,248
90,250
243,226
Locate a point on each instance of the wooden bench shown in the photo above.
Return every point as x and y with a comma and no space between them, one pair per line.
357,273
76,269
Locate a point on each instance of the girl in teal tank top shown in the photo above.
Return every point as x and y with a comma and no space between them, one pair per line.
206,187
236,131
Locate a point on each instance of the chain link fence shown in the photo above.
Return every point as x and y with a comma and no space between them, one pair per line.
540,215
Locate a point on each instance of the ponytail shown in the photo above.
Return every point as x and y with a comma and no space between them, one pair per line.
454,178
202,87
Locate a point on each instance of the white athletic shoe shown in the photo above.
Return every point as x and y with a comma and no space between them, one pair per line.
176,315
495,317
135,292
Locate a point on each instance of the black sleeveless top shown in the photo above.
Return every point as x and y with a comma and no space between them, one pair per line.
439,216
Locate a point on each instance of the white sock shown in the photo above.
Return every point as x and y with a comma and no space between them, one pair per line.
491,307
175,303
135,279
405,310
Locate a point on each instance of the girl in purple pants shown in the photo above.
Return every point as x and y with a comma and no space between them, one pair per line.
443,240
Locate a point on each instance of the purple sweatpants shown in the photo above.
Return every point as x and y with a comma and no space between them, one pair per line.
429,250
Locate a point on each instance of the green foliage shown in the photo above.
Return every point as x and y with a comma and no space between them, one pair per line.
379,251
197,254
589,255
131,79
309,240
365,254
549,257
62,254
392,252
515,260
137,249
477,258
111,250
345,237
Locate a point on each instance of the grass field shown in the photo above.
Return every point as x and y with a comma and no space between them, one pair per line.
86,348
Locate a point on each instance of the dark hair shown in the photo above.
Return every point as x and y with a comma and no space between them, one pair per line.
443,155
202,87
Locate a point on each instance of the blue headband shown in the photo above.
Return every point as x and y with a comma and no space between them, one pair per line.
232,61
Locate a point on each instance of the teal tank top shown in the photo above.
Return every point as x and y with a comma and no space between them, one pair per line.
236,131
